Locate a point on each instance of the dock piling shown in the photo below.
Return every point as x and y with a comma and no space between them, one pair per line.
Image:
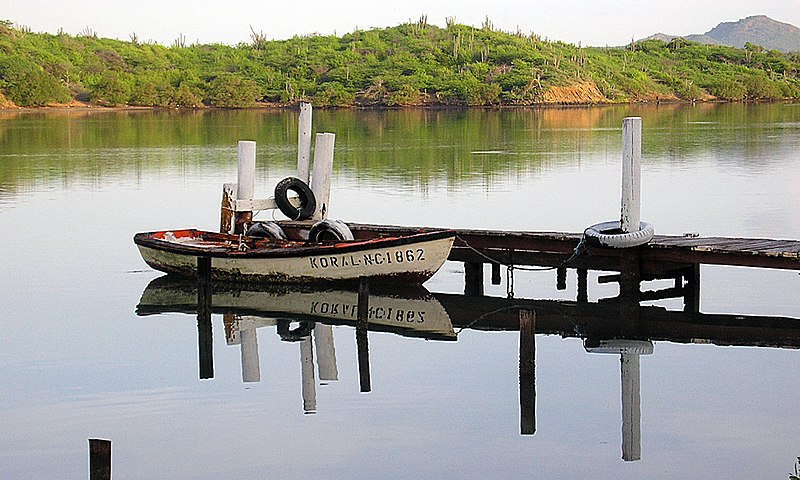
304,142
322,173
630,214
245,182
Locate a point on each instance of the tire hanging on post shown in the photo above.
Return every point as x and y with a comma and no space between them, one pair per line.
308,204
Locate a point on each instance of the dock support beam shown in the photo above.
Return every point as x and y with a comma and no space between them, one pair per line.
473,279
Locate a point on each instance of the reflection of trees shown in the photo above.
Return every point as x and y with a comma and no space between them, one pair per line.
410,147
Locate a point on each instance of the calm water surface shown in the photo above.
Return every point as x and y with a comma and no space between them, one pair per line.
79,362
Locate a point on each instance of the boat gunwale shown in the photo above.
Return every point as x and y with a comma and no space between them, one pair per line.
275,250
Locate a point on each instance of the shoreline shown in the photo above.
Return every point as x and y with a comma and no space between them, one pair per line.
136,108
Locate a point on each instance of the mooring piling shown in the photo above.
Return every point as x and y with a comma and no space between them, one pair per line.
630,214
245,182
322,173
304,142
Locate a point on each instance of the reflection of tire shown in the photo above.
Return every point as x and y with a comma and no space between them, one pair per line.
608,234
330,231
302,331
266,230
308,204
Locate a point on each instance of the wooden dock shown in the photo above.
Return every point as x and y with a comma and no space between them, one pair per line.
665,257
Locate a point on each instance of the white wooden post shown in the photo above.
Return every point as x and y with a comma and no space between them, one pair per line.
246,180
304,142
326,353
307,371
251,371
630,215
321,175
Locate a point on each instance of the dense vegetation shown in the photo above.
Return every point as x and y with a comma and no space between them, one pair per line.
411,64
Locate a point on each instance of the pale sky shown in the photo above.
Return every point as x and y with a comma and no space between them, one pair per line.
590,22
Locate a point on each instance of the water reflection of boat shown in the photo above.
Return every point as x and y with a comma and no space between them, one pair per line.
406,311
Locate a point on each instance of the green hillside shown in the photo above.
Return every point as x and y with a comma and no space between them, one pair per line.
409,64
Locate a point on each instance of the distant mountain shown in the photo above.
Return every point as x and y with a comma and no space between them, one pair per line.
758,30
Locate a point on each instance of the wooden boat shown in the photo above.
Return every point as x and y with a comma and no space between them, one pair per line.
410,259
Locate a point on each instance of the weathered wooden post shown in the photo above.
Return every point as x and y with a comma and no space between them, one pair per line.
527,371
630,213
99,459
322,173
630,209
245,182
304,142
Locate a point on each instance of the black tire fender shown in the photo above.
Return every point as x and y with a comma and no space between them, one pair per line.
308,204
330,231
266,230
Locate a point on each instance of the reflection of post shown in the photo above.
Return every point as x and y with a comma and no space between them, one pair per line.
527,371
307,369
361,335
326,352
251,371
631,409
583,286
691,293
205,337
99,459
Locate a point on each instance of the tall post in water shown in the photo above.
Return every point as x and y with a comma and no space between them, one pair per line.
321,175
630,215
304,142
246,180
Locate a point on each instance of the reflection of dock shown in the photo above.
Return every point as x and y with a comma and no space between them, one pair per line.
618,326
613,320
